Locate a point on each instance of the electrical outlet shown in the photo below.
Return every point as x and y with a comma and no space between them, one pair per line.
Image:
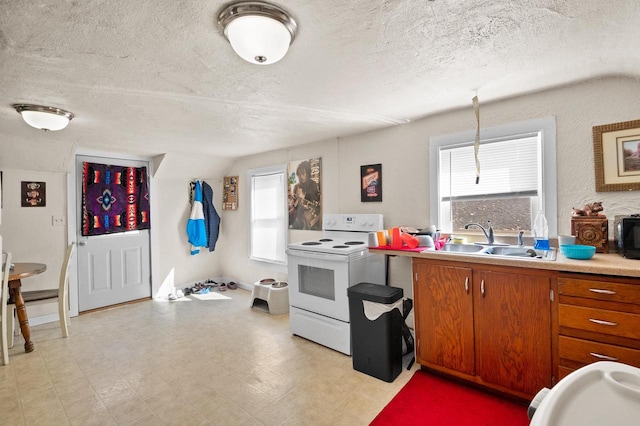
58,221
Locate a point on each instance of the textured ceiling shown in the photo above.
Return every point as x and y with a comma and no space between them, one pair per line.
156,76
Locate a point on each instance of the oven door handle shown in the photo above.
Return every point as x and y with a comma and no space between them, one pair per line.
316,255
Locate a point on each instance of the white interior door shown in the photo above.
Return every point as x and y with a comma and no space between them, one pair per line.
113,268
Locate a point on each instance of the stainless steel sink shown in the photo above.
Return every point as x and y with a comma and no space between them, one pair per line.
511,251
462,248
505,251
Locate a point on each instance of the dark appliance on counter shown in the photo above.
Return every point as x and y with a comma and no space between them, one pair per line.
626,235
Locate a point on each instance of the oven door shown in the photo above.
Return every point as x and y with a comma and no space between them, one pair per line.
318,283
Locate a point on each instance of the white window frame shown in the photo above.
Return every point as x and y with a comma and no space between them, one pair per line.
275,265
547,129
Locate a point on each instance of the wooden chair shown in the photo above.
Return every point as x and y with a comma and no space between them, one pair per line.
4,319
38,297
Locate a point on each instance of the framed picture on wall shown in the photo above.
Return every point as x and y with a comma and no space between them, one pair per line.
616,149
34,194
230,193
305,194
371,183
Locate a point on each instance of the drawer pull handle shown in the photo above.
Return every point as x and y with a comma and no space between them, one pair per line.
602,322
466,284
601,291
482,288
600,356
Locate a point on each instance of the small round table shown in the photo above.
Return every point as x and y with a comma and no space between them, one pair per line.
20,271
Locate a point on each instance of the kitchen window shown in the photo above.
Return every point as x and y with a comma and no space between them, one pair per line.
268,219
517,177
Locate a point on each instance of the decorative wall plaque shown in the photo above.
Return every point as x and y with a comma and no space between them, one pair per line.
34,194
230,193
371,183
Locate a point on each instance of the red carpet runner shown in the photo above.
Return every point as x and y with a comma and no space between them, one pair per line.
431,400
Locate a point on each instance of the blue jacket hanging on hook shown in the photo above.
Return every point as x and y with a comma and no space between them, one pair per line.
196,230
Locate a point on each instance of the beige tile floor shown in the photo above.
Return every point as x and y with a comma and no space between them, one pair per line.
214,361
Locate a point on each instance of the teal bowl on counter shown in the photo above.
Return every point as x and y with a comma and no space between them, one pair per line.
577,251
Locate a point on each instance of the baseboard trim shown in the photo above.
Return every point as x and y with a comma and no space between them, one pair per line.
144,299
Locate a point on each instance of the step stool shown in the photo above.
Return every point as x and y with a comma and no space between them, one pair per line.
275,293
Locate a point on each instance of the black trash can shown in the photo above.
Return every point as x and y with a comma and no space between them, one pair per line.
376,345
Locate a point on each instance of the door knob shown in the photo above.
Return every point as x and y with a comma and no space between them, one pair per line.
82,243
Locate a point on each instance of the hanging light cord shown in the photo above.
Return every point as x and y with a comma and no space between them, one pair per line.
476,145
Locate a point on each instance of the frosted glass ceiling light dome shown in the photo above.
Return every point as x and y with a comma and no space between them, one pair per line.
259,32
44,117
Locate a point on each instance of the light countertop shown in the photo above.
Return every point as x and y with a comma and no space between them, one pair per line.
600,263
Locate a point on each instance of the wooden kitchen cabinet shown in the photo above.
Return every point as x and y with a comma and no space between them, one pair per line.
490,325
513,329
599,320
444,313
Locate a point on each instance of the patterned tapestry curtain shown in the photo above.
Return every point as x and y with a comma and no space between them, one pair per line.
114,199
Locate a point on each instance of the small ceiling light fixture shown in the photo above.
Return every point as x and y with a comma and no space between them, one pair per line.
44,117
259,32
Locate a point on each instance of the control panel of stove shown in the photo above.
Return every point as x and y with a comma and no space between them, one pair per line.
352,222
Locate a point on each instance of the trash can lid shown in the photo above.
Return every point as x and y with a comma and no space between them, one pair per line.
375,293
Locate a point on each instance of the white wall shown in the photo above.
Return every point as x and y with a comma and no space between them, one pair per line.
403,152
176,266
28,232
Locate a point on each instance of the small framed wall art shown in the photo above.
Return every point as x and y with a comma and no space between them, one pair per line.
230,193
34,194
616,149
371,183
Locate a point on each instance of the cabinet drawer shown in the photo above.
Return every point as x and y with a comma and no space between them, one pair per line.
600,321
600,290
586,352
564,372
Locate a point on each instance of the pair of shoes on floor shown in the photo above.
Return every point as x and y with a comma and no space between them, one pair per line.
224,287
175,296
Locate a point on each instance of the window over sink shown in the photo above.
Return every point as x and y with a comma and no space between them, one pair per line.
517,177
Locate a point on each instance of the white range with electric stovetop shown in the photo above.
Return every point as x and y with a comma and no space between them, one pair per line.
320,271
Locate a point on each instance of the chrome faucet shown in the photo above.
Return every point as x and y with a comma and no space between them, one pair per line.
520,238
487,232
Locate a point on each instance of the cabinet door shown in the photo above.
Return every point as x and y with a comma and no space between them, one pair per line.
513,330
444,316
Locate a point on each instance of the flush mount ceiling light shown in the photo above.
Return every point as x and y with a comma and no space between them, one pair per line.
44,117
259,32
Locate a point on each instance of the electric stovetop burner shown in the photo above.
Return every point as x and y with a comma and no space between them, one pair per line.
343,235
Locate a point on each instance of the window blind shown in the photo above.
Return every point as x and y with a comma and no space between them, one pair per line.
508,167
268,231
